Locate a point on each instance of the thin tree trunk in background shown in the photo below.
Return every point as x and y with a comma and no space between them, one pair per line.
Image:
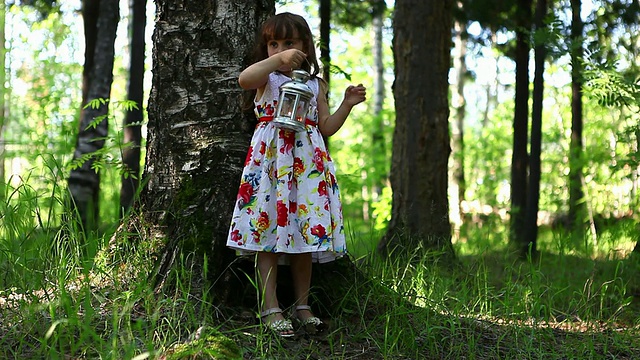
634,191
529,245
378,66
491,90
325,39
84,181
379,148
132,122
421,146
325,46
485,111
520,125
457,180
90,13
635,200
577,209
3,119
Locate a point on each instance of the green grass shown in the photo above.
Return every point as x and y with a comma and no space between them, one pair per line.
579,300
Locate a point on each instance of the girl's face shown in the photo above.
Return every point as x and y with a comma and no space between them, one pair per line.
276,46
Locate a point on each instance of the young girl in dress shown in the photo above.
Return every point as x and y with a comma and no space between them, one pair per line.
288,203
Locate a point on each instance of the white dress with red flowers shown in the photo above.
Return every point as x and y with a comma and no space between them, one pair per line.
288,200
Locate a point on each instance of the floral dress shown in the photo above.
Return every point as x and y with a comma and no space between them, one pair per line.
288,200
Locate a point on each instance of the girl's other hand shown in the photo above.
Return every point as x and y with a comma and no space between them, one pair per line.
355,94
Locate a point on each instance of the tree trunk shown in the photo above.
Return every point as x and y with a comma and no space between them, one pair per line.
325,39
3,121
635,172
520,126
577,211
84,180
325,46
133,119
457,182
198,136
378,80
635,201
90,13
529,245
378,176
420,210
492,90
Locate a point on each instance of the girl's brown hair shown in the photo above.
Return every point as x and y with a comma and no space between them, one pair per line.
278,27
288,26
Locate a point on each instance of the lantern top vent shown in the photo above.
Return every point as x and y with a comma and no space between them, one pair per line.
298,84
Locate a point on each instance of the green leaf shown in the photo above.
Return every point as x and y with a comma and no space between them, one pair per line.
96,103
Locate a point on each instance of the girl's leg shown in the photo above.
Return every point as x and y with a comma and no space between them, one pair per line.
268,273
301,272
267,264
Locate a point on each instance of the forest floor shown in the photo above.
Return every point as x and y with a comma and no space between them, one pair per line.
472,338
445,336
466,339
90,319
493,343
382,329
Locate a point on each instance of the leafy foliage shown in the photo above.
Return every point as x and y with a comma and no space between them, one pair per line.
619,91
611,87
110,155
612,29
353,14
43,7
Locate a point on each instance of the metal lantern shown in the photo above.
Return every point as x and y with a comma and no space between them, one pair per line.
293,104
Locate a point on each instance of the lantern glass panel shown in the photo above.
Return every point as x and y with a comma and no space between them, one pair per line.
288,101
301,111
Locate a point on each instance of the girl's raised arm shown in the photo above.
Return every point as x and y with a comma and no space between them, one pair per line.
256,75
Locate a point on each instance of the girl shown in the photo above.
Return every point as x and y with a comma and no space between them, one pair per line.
288,201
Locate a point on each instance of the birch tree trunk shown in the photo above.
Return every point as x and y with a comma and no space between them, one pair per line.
198,135
457,181
377,136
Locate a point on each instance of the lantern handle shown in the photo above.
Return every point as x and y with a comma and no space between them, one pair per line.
308,63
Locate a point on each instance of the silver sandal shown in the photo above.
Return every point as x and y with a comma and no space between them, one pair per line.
282,327
312,324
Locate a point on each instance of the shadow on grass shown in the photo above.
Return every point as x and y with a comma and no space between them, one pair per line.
489,307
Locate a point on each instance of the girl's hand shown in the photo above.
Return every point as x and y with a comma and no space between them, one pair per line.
292,58
355,95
